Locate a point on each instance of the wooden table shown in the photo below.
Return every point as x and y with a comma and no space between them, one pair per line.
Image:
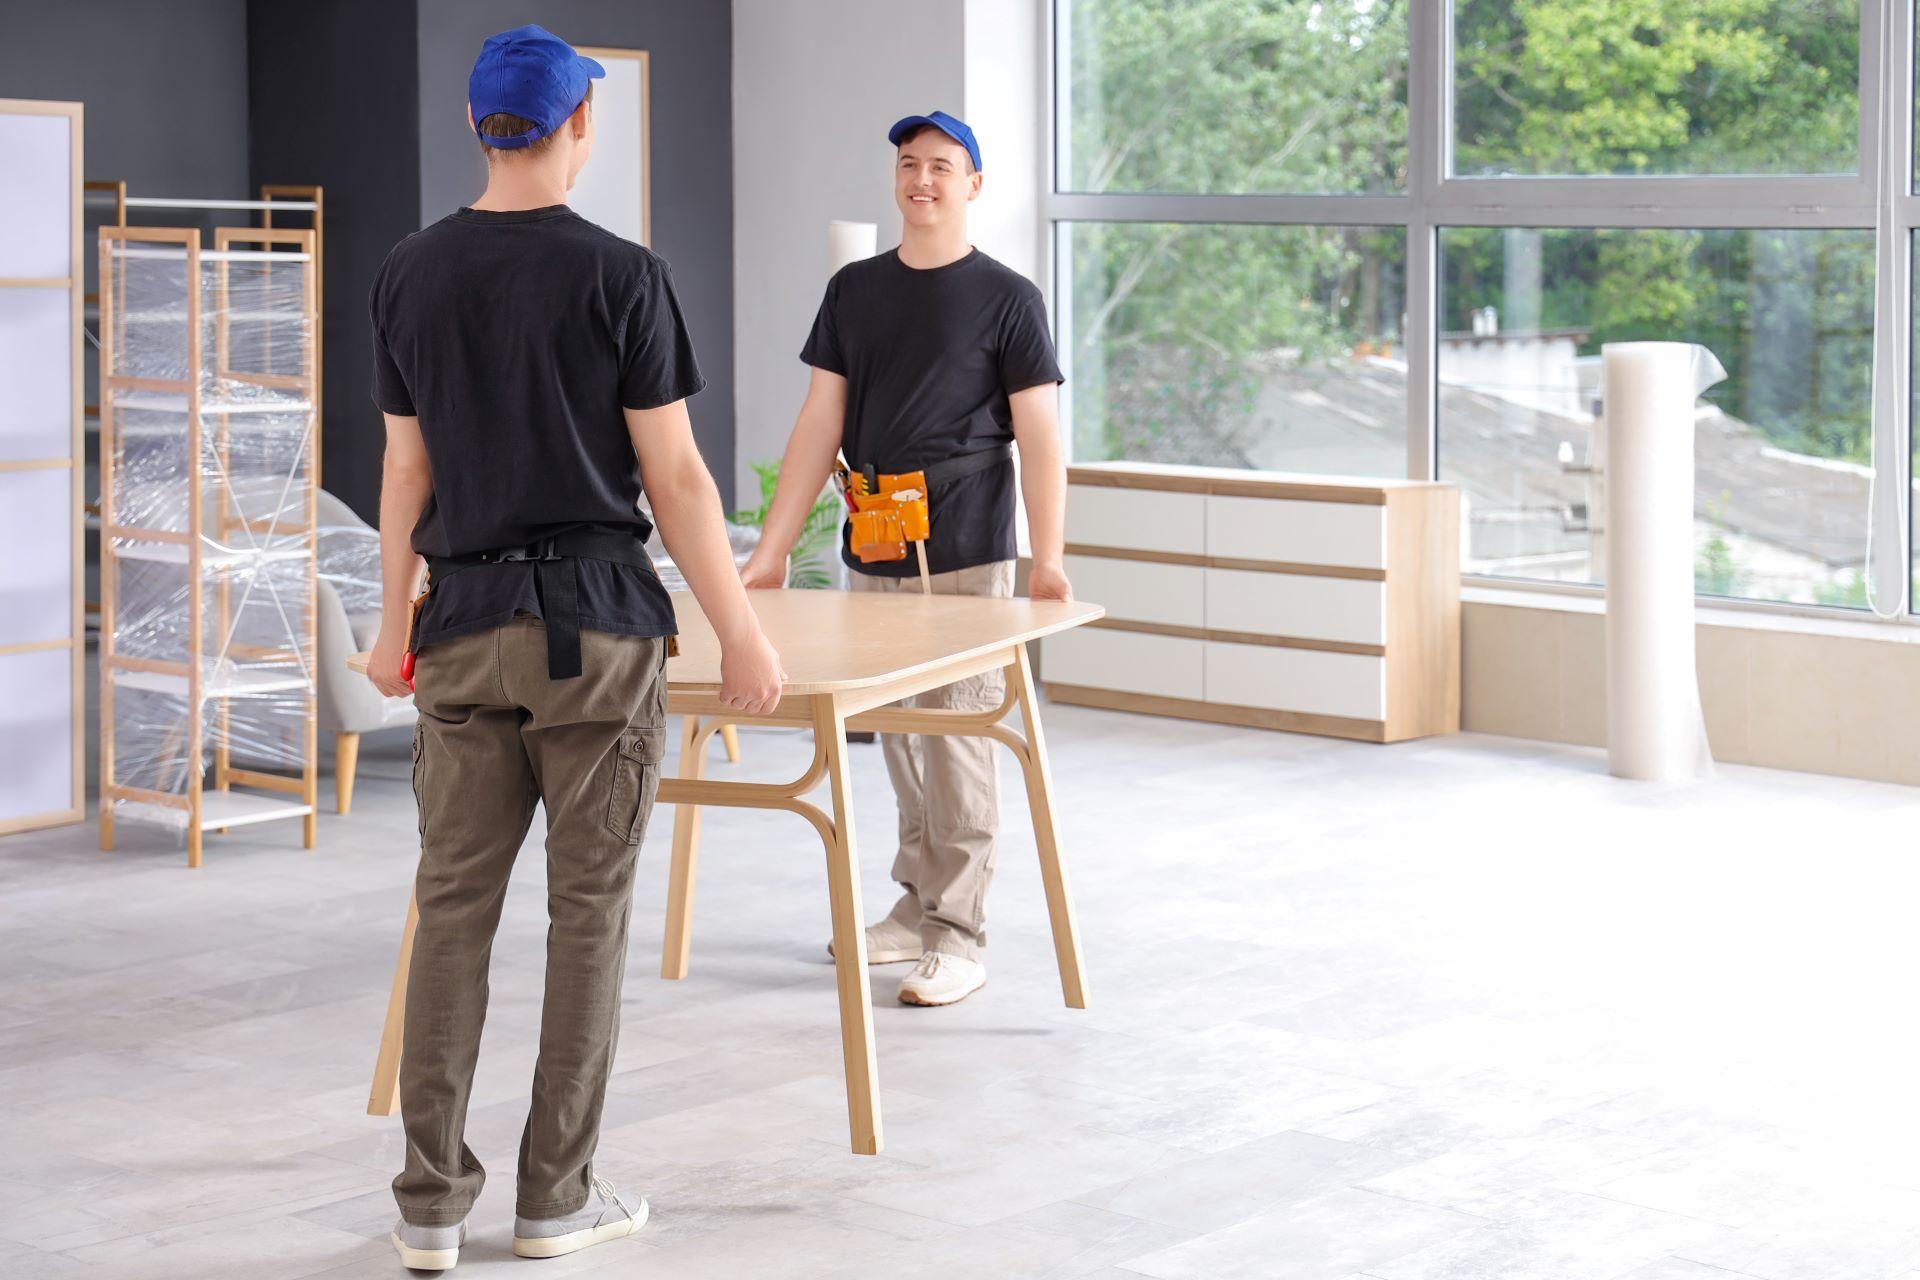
847,656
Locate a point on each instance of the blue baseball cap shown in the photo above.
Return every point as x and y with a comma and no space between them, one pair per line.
952,126
531,73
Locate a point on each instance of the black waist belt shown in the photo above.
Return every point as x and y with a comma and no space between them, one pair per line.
951,468
556,580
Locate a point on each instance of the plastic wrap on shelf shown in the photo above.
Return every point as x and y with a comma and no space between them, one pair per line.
350,561
208,430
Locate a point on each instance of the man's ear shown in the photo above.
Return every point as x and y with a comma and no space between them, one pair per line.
473,126
578,120
973,188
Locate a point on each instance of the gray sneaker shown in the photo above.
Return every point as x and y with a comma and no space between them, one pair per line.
605,1216
428,1248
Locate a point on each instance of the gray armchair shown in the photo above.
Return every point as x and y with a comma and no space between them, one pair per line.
349,618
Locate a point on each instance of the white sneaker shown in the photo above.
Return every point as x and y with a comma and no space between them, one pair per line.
428,1248
890,942
605,1216
942,978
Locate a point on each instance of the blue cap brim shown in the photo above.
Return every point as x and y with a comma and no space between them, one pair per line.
593,69
901,128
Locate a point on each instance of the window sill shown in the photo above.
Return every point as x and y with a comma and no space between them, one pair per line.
1752,618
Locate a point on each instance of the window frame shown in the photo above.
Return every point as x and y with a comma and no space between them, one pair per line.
1879,197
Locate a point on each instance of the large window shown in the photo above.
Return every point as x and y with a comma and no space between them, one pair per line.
1272,347
1382,238
1782,447
1225,96
1656,86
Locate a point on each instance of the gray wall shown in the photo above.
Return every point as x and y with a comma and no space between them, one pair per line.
690,47
333,98
815,86
165,86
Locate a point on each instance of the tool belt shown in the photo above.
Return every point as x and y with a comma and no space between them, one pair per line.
891,510
966,464
557,579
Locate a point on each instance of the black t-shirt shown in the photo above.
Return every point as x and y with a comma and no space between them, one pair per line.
516,338
930,358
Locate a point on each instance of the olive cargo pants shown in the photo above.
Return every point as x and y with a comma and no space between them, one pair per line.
496,737
948,789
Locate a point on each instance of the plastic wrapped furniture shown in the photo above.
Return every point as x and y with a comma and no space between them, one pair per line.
208,548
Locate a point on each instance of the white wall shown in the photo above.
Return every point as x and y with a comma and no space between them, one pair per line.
815,86
1004,99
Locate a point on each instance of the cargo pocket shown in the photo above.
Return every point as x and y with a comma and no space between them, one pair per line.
419,743
636,780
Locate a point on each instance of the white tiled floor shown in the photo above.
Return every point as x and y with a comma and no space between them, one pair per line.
1462,1008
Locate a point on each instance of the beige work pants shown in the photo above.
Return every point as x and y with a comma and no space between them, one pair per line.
948,790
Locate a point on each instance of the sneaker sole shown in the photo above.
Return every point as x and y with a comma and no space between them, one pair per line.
424,1259
883,957
909,997
575,1241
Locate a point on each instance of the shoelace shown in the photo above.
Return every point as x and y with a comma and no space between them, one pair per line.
606,1190
929,966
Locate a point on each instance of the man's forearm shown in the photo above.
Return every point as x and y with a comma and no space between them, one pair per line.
1043,486
403,496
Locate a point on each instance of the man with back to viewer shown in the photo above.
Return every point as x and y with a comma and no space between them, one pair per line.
533,371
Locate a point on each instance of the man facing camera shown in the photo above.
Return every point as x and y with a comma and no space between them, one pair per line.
933,357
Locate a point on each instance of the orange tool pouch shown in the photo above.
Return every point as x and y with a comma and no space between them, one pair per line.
891,511
888,513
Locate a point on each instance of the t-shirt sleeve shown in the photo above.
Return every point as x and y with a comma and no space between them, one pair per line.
657,365
390,391
823,344
1026,348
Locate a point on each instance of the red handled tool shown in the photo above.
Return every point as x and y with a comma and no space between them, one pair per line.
413,619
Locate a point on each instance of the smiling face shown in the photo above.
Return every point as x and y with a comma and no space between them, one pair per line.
933,179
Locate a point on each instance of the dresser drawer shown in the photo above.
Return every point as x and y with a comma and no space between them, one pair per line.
1137,519
1294,604
1349,535
1304,680
1139,590
1129,661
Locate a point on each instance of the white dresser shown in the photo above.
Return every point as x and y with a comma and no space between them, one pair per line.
1259,598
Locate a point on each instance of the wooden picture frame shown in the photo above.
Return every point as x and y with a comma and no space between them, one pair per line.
615,190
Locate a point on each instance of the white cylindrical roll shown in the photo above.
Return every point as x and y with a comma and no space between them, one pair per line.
850,242
1655,730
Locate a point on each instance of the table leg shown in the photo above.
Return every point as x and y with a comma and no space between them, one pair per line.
730,734
849,936
1046,836
384,1098
686,855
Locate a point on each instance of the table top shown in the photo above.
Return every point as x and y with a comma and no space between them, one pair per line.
836,640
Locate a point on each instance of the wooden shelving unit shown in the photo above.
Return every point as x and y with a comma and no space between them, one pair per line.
209,411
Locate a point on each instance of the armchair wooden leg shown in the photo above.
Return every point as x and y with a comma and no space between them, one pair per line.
346,759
